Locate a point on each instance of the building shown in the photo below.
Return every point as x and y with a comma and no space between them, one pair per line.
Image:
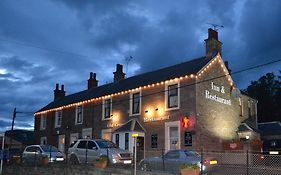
18,138
190,105
271,136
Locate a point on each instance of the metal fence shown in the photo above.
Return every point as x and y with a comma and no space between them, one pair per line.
228,163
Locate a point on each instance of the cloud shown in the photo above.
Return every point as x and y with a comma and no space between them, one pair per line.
46,41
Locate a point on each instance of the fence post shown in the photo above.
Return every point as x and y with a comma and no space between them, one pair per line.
86,160
247,163
201,162
163,160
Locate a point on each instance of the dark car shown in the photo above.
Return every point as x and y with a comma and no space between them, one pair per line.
174,159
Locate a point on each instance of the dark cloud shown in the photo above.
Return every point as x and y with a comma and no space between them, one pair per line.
46,42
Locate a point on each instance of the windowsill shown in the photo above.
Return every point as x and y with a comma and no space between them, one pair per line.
57,126
41,129
78,123
133,115
105,119
171,109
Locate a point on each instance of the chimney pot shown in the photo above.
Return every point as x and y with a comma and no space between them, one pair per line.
57,86
119,74
213,45
92,82
62,87
212,34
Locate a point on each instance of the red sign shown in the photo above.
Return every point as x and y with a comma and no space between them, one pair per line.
185,122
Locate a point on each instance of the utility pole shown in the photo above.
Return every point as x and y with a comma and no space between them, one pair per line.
14,117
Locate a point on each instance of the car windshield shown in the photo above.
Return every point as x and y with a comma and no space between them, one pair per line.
48,148
106,144
191,153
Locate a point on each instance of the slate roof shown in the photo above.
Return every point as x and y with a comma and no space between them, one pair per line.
270,128
132,125
185,68
248,123
22,136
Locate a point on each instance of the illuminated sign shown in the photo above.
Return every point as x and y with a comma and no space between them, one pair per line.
151,119
185,122
135,135
216,98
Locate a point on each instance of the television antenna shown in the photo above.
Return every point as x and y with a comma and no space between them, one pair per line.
127,59
216,27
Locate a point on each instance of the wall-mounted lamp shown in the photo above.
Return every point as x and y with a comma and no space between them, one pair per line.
156,109
146,111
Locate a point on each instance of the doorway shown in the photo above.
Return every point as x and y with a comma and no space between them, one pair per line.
172,135
61,143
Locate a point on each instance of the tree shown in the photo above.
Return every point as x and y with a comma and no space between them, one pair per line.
267,90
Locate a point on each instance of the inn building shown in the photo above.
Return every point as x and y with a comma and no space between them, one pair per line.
191,105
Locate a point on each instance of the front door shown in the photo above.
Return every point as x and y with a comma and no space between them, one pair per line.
61,143
172,135
174,138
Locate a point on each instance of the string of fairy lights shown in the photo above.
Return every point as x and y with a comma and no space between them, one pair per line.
196,77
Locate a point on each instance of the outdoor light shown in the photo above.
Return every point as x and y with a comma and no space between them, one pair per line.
247,137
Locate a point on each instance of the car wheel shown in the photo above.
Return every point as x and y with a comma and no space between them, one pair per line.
145,166
73,160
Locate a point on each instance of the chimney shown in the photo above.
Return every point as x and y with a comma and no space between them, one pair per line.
213,45
92,82
59,94
119,74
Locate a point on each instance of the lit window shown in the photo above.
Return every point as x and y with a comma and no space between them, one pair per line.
172,96
154,139
58,119
135,103
107,108
241,106
79,115
43,121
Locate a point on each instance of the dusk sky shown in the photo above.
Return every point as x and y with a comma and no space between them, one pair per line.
44,42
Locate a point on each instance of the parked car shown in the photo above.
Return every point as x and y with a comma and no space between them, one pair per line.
174,159
87,150
34,153
9,154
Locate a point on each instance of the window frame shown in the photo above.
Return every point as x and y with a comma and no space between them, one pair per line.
167,85
155,143
103,109
42,139
132,103
117,139
43,121
241,103
77,113
126,140
57,124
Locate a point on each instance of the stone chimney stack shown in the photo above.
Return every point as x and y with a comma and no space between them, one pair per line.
119,74
92,82
213,45
59,94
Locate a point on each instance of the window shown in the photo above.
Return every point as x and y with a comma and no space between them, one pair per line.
82,144
154,139
107,108
58,119
249,109
126,141
117,139
79,115
43,121
172,154
73,137
241,106
43,141
135,103
172,96
91,145
187,139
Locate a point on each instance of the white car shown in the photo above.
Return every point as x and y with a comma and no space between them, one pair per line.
34,153
87,150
